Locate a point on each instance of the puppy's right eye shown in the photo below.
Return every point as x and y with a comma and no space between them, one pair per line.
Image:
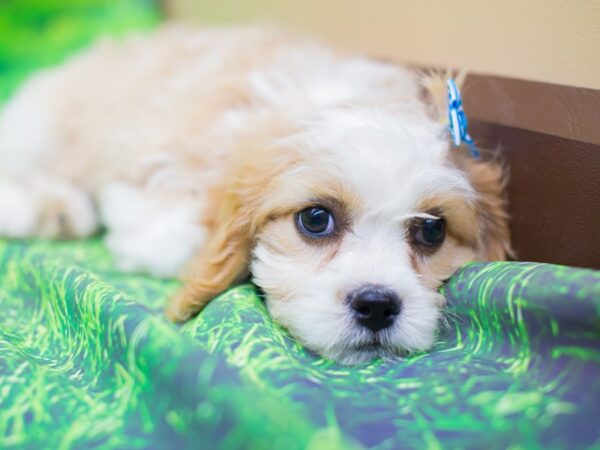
315,222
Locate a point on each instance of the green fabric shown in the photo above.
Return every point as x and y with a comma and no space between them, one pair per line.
85,360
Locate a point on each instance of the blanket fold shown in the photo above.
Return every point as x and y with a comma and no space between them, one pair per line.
86,359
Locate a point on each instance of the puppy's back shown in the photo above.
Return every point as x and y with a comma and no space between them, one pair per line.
119,102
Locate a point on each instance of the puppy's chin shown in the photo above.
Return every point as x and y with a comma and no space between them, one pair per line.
366,350
354,357
350,355
330,331
367,346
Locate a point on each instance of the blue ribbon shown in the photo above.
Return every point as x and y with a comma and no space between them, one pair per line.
458,119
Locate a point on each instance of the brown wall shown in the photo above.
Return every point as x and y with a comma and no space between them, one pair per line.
549,135
553,194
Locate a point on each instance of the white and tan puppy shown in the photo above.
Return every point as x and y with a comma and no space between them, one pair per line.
227,152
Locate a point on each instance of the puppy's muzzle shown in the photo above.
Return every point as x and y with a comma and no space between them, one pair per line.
375,307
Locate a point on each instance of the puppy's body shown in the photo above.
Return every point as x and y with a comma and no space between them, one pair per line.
204,146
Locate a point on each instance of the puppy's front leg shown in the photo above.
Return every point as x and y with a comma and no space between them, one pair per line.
150,231
36,204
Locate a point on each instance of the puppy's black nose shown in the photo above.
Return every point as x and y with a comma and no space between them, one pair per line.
375,307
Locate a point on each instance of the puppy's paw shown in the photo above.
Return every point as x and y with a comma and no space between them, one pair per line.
19,211
47,208
67,212
149,232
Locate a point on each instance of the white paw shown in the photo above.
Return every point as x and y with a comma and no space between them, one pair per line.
148,232
67,212
38,206
18,211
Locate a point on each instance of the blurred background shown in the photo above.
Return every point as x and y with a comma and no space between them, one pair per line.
40,33
554,41
533,92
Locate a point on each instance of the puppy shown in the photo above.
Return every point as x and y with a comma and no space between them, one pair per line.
220,153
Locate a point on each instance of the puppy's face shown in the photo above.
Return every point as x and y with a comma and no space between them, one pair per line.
362,228
349,225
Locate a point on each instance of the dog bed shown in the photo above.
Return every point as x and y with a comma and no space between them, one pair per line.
87,360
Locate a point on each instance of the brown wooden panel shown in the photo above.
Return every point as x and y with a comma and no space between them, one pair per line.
563,111
554,194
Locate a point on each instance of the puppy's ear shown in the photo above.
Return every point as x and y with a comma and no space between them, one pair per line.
222,262
434,92
488,178
244,206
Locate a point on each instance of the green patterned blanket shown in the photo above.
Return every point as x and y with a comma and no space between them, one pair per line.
86,360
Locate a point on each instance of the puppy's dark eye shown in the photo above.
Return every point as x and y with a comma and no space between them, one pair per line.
430,232
315,222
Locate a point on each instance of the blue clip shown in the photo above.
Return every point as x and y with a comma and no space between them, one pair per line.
458,119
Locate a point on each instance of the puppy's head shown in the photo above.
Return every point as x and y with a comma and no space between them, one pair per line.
349,223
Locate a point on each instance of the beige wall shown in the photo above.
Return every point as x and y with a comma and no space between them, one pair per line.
554,41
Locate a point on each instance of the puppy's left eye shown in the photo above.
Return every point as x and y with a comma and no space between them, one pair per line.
315,222
429,232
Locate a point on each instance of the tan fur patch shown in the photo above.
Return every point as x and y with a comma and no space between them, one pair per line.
488,178
460,215
243,205
439,266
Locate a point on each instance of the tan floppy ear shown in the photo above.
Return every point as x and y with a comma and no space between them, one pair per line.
221,263
243,206
434,91
488,178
